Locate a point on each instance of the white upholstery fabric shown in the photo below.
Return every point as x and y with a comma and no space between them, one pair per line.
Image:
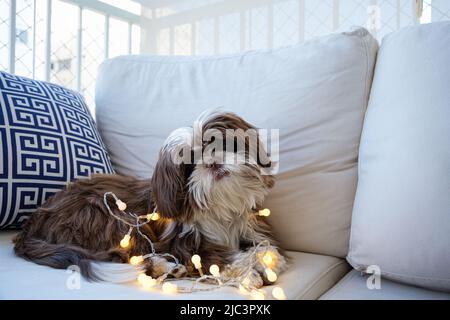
315,93
308,277
401,217
353,287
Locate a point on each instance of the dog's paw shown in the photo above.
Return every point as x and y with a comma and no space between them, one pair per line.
178,271
254,279
159,266
278,265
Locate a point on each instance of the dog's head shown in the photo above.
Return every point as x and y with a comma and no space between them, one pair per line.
217,165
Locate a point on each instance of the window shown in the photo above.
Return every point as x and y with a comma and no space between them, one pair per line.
64,41
64,64
197,27
22,36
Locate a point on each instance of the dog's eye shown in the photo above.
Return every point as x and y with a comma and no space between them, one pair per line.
206,143
188,169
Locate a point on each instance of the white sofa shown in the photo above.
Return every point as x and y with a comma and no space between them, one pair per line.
316,94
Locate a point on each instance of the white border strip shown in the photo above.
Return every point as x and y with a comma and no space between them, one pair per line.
12,36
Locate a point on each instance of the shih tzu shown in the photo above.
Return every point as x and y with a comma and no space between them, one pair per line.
208,185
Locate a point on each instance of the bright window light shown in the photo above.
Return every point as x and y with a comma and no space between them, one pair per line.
426,13
118,37
135,39
63,65
126,5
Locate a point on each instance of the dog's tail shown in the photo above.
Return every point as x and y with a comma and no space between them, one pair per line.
63,256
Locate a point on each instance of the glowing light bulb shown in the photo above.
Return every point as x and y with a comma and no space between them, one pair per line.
135,260
267,259
146,281
278,293
141,278
121,205
153,216
242,289
196,260
257,295
214,270
169,288
125,242
264,212
271,275
149,283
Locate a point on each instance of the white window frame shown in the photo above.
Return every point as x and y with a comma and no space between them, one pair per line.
107,10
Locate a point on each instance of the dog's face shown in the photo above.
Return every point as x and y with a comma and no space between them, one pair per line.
217,166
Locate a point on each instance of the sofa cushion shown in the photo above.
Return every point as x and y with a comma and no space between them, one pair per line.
47,138
354,287
401,217
308,277
315,93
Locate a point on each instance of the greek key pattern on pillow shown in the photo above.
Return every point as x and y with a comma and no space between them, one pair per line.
47,139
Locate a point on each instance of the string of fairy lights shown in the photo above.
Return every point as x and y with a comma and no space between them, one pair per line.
262,253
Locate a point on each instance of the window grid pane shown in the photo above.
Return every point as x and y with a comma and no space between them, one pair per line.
118,37
182,41
205,37
353,12
93,52
440,9
229,33
135,39
4,34
318,18
163,41
285,23
24,38
242,27
40,45
64,44
258,29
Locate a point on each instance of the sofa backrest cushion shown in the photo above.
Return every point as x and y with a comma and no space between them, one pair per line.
401,218
47,139
315,93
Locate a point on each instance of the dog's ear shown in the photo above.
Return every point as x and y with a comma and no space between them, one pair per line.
169,180
169,186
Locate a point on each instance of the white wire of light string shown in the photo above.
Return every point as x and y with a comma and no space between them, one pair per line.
234,282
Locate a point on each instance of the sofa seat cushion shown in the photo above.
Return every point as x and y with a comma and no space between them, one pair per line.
308,277
353,287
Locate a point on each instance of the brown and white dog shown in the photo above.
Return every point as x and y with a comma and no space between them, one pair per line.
207,207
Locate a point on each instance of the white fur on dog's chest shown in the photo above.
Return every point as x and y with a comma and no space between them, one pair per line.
224,232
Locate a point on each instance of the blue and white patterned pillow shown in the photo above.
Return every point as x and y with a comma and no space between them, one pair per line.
47,139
